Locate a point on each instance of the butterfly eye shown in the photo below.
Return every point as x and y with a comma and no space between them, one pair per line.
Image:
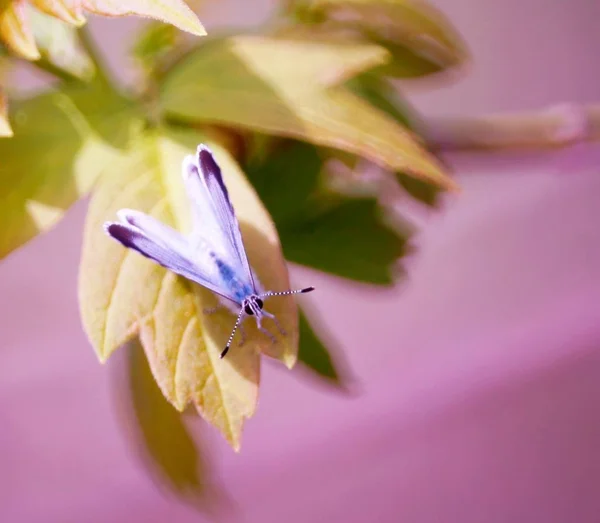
248,310
259,302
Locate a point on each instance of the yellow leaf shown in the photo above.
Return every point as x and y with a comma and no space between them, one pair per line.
17,34
174,12
5,129
413,29
59,44
68,11
176,457
63,141
288,87
123,294
15,31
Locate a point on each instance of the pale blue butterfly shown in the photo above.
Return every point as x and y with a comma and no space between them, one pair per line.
213,255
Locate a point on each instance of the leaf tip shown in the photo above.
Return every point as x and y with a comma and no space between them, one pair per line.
452,186
290,359
102,357
198,30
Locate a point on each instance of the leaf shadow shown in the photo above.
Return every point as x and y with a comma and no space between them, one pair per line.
175,458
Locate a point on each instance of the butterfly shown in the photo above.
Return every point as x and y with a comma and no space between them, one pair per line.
213,254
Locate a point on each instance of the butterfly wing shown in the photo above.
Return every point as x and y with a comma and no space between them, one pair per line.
168,248
217,221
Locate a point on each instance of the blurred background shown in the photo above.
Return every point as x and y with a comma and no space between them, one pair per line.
474,393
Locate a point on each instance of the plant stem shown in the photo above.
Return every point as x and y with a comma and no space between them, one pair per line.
553,128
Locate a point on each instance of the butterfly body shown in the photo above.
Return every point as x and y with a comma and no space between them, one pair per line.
213,255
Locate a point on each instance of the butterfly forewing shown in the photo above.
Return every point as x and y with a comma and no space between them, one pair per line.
220,204
206,226
169,249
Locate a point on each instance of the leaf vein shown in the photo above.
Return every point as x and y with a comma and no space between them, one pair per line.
214,372
111,297
178,352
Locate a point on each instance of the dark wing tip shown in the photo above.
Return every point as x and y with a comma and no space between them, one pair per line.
210,169
206,161
120,232
107,226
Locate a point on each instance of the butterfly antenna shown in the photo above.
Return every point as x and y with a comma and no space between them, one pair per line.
235,327
287,293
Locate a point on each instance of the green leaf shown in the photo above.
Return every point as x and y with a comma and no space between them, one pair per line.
123,294
157,432
426,193
153,43
63,141
418,36
378,92
287,87
314,355
345,237
286,179
59,44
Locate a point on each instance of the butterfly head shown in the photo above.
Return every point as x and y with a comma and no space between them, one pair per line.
253,305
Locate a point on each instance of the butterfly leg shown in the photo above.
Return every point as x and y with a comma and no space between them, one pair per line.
276,321
268,334
265,331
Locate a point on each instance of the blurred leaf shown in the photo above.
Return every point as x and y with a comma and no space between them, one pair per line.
68,11
378,92
286,179
419,37
314,355
154,41
63,141
59,43
165,436
123,294
426,193
286,87
15,31
5,129
161,435
346,237
175,12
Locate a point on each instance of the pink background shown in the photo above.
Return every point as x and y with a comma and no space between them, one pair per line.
478,379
